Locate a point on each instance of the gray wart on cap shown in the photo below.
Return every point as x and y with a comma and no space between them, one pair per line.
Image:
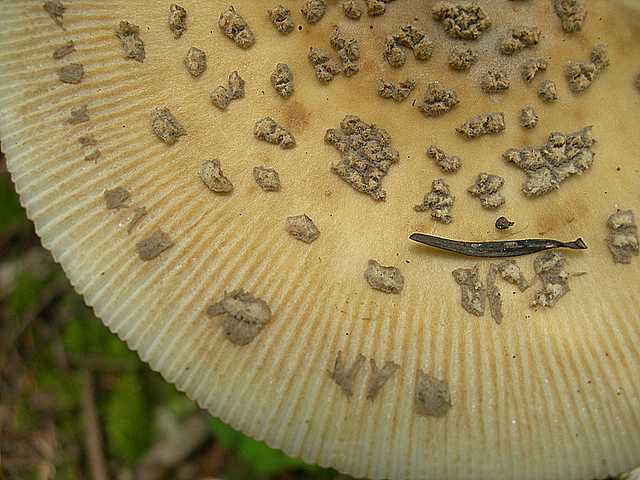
302,228
385,279
243,316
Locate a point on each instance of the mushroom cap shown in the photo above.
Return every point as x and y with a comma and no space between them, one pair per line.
549,393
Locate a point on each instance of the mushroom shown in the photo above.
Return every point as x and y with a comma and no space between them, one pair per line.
551,392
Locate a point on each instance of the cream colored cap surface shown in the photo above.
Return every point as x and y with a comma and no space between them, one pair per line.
549,393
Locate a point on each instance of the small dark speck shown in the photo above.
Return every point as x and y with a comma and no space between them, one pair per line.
606,193
503,223
300,27
415,19
407,261
514,357
347,334
371,27
413,104
262,91
617,169
124,126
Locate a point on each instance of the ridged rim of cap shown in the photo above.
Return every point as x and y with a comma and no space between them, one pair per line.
547,394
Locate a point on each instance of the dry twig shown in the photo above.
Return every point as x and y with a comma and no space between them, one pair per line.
93,437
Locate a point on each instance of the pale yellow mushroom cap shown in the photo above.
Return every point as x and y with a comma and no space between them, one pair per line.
549,393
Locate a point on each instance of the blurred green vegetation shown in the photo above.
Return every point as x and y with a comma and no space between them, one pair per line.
11,213
262,461
50,339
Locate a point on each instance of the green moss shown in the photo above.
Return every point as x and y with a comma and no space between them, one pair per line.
260,459
64,387
11,212
85,335
23,419
128,421
26,293
66,471
265,460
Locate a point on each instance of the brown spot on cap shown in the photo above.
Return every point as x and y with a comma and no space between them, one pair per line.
296,116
